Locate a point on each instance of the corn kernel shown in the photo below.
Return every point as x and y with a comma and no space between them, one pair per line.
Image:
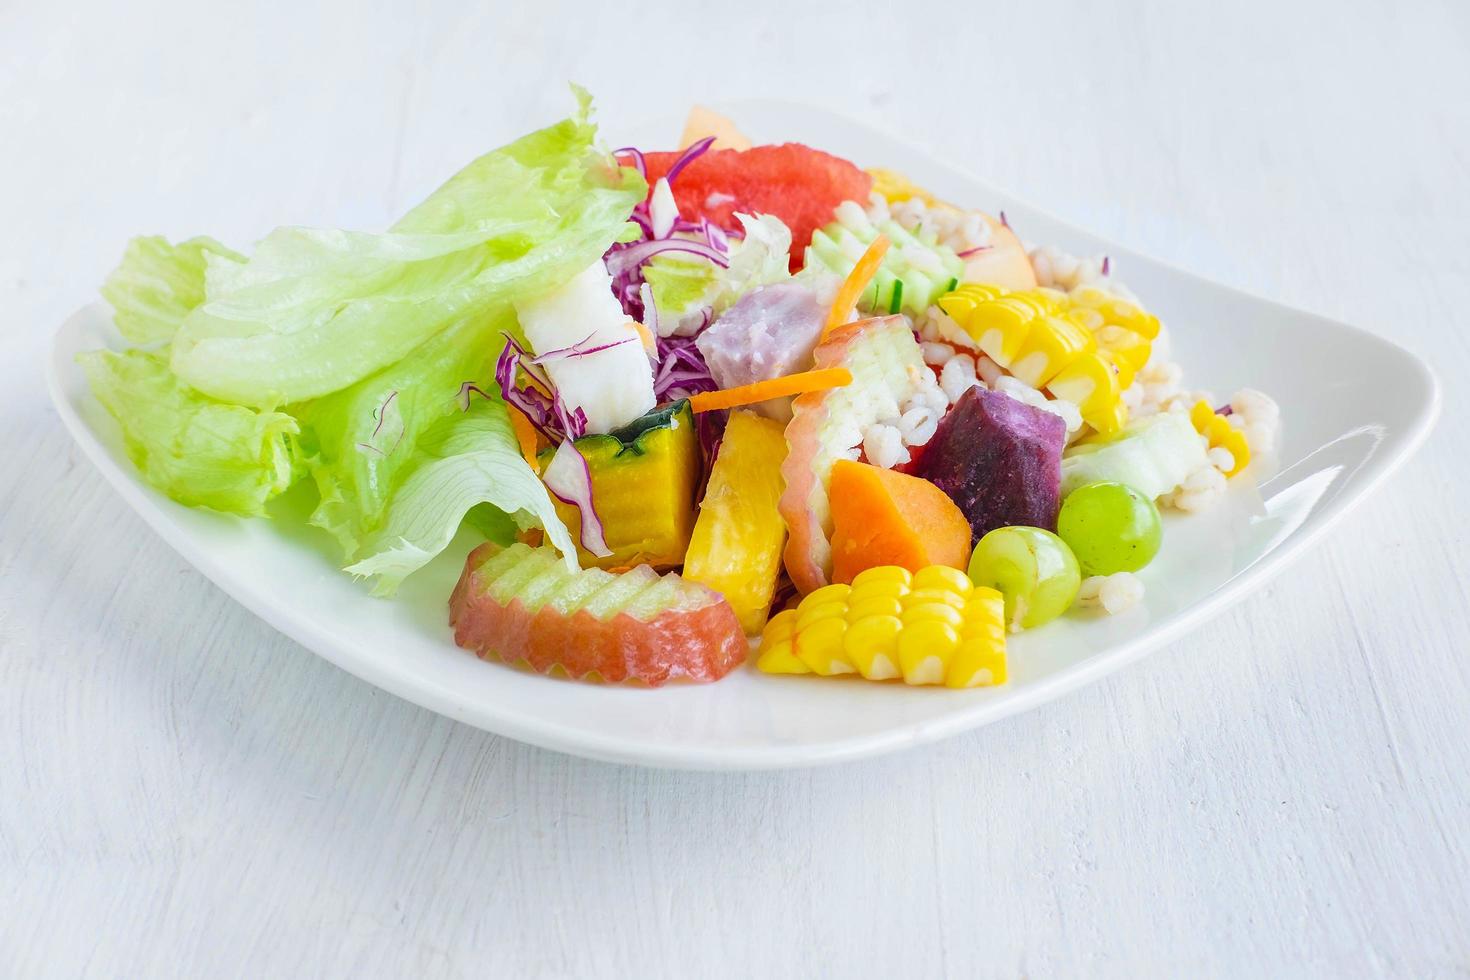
935,612
895,187
1000,326
1051,344
808,616
946,597
942,577
826,593
923,648
1117,310
880,580
820,646
1126,346
1221,434
781,626
878,605
867,644
775,655
980,658
1091,383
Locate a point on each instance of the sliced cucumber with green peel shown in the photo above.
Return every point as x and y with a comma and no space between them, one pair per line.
914,273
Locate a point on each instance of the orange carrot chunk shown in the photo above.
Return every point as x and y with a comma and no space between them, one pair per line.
880,517
764,391
857,280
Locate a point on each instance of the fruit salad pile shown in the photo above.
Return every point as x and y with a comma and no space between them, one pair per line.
695,401
874,426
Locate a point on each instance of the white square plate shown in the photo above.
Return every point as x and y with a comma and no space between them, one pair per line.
1347,426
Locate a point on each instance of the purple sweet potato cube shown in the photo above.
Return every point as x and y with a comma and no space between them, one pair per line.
1000,460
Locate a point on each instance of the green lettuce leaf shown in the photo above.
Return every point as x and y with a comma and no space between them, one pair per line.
313,312
461,461
199,451
157,284
366,340
360,441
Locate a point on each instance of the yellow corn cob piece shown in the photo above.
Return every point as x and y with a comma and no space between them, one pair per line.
1084,347
895,187
1000,326
1116,310
979,290
736,545
930,627
1092,384
1052,343
1221,434
961,301
1131,350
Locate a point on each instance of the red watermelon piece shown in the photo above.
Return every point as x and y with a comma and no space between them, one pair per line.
793,182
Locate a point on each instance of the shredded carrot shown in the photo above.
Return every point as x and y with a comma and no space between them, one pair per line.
761,391
525,436
857,280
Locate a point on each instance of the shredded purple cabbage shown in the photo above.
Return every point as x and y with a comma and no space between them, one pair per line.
974,251
380,416
579,349
629,258
568,478
680,371
1107,265
625,260
536,399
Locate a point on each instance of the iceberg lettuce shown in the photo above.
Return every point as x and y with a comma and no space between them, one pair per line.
199,451
362,443
461,461
315,311
343,355
157,284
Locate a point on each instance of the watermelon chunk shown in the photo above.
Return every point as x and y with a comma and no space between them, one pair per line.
793,182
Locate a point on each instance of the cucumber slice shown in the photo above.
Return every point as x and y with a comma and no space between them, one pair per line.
914,273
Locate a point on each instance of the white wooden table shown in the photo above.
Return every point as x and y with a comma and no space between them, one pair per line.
183,792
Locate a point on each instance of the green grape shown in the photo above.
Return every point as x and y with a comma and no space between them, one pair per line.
1033,569
1110,527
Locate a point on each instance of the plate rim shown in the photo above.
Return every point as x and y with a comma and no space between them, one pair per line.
623,750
